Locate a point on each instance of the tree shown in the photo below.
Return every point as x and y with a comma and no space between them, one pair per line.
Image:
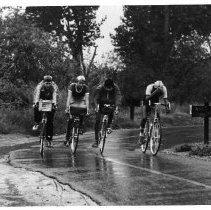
27,52
149,35
76,23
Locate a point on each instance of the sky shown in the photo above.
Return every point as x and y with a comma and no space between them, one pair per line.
113,20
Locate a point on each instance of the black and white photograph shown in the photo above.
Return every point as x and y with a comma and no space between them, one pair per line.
105,103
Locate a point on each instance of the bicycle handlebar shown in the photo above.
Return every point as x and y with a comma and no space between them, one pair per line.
109,106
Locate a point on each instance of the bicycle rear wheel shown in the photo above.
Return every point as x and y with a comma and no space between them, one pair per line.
145,140
102,137
155,139
42,139
75,137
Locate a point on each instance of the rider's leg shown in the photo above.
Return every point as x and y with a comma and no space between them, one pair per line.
37,118
49,126
110,119
97,127
68,129
81,125
146,113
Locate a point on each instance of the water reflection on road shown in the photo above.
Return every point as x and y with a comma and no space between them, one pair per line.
125,176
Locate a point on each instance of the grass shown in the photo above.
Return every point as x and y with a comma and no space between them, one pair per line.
194,149
21,121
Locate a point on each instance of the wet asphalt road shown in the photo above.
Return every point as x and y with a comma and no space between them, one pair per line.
125,176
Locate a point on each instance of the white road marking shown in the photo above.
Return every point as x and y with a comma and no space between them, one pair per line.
159,173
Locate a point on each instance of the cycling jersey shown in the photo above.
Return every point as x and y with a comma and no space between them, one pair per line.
78,95
78,98
162,93
46,93
103,96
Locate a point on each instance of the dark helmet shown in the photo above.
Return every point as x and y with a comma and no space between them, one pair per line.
47,78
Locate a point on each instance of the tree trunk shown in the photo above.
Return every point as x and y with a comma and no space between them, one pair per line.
166,24
132,110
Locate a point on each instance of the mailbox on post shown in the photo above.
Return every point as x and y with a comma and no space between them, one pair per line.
205,112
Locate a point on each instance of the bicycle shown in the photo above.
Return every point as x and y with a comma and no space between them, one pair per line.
44,106
106,110
76,113
152,131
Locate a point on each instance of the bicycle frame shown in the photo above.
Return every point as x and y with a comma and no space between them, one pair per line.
153,124
43,133
75,133
103,130
44,106
156,113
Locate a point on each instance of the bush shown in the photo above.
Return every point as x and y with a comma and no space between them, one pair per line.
21,119
183,148
204,151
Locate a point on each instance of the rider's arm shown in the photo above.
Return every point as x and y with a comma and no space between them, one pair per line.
87,97
118,97
165,95
37,93
149,92
69,98
165,98
87,101
96,96
55,94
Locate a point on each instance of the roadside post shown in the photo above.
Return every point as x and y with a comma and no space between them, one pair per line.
205,112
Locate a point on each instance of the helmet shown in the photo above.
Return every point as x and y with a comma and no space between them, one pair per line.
158,84
81,78
109,84
47,78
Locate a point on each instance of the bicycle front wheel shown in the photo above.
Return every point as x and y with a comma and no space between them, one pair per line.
42,139
145,141
102,137
75,137
155,139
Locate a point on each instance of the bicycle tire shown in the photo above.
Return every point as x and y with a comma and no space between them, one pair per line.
155,139
75,136
103,134
42,139
145,143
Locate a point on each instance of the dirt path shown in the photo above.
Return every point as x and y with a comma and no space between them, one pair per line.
20,187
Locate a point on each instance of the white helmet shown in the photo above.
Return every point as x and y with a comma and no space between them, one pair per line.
80,78
158,84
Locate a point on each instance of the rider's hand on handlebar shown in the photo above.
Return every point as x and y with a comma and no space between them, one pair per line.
55,107
168,108
97,108
35,105
87,112
116,111
67,110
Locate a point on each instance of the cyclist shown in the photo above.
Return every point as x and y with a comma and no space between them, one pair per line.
108,93
45,90
78,96
154,92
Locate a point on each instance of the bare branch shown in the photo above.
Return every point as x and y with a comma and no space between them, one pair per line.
91,62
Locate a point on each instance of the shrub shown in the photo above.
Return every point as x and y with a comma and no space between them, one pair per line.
204,151
183,148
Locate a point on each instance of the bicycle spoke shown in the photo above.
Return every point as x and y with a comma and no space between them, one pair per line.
103,137
155,138
75,135
42,140
145,140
